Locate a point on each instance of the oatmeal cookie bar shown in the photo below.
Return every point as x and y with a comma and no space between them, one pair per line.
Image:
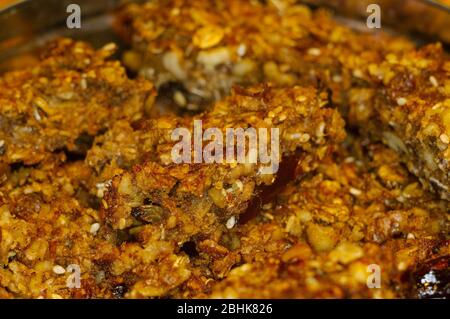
54,245
321,234
208,46
70,96
288,44
164,205
409,109
127,144
300,114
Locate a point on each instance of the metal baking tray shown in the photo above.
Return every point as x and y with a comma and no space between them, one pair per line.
427,20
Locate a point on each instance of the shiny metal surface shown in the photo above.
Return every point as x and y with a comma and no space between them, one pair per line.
30,23
428,20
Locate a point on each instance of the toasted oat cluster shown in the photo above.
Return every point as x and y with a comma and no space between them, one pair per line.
319,159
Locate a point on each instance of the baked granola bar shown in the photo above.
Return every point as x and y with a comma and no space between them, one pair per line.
409,109
164,205
317,239
73,94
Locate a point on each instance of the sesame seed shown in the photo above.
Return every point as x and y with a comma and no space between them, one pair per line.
314,51
59,270
337,78
349,159
109,47
179,98
2,143
355,191
83,84
231,222
433,81
278,109
239,185
102,187
175,11
436,106
94,228
301,98
358,73
410,236
444,138
401,101
305,138
401,266
40,102
65,95
242,49
320,129
122,223
36,115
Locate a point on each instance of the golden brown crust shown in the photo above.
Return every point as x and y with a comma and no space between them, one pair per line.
407,93
49,114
